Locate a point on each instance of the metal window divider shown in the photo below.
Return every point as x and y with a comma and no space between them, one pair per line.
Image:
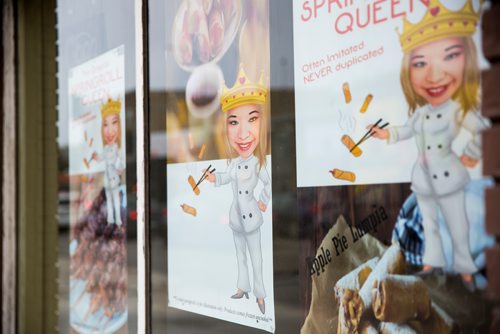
142,153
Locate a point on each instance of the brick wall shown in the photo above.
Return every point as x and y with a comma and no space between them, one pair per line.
491,150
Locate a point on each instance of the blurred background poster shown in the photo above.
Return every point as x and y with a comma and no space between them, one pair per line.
219,203
98,272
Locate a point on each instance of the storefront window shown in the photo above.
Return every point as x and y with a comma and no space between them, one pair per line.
97,217
314,166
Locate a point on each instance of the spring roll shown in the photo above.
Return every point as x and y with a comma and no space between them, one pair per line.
192,183
392,328
203,40
350,144
392,262
355,279
207,6
347,92
398,298
188,209
343,175
367,327
366,103
438,322
216,31
342,324
202,151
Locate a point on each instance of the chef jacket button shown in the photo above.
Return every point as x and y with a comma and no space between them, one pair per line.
239,167
439,116
446,174
428,147
243,216
246,167
427,117
435,176
240,192
440,146
246,192
250,215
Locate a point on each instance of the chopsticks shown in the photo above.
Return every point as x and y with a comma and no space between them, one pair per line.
369,133
204,176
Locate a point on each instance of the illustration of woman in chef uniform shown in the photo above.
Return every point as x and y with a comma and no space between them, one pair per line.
440,80
113,158
246,129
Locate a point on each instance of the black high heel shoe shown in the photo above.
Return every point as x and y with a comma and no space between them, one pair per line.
240,294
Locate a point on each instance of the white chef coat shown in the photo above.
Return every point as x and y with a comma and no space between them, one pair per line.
245,215
438,170
114,163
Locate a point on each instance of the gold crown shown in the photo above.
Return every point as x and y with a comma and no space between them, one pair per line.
243,92
438,23
111,107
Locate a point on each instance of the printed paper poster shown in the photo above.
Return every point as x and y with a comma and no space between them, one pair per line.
390,93
219,188
98,265
359,72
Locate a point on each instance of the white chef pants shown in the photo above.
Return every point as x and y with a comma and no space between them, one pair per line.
113,206
453,209
251,240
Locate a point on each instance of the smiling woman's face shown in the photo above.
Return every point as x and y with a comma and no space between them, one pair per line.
243,128
437,69
111,128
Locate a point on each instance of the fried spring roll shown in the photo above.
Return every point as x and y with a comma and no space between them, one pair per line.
392,328
398,298
216,31
342,324
192,183
188,209
366,103
350,144
355,279
392,262
343,175
367,327
347,92
202,151
438,322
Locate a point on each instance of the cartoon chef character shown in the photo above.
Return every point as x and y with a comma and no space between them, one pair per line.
246,130
440,80
112,157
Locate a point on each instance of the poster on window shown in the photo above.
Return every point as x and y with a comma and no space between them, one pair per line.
388,128
98,256
373,85
219,195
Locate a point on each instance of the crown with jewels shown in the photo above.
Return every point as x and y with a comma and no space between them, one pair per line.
243,92
111,107
438,23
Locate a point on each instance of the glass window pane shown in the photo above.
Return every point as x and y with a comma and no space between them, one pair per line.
96,109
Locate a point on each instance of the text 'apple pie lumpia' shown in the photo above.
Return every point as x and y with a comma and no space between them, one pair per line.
398,298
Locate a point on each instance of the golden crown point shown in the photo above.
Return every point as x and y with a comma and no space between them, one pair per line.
438,23
111,107
243,92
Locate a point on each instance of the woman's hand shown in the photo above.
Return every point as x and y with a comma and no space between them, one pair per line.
209,176
378,132
262,206
468,161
